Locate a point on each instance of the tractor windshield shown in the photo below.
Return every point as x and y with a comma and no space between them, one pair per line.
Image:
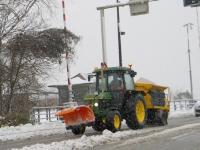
111,81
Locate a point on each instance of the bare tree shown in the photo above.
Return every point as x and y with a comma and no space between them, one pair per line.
182,95
29,56
27,51
19,16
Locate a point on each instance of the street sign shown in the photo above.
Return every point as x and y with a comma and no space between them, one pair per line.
139,8
192,3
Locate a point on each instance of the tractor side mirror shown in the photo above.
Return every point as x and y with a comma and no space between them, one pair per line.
91,76
132,73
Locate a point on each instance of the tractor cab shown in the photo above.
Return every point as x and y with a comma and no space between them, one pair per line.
113,84
115,79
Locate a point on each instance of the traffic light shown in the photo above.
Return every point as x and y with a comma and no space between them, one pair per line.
191,3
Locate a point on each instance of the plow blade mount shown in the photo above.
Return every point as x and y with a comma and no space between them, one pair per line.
77,116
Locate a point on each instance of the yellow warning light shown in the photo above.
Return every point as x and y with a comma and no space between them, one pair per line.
130,65
95,68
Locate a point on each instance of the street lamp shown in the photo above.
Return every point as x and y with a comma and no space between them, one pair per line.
190,71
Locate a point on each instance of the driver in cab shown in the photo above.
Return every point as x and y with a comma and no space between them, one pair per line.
116,84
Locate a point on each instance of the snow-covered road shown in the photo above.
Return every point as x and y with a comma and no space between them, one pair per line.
52,128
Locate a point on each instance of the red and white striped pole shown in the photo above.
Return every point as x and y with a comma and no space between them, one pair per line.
67,57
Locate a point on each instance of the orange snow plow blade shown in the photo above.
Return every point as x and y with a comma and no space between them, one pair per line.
77,115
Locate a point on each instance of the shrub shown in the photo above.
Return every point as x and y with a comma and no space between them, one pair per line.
14,119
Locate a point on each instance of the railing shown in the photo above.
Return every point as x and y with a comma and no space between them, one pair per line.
43,114
183,104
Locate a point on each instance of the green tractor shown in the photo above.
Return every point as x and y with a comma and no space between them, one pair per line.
116,99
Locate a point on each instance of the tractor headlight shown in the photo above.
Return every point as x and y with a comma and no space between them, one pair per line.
96,93
96,104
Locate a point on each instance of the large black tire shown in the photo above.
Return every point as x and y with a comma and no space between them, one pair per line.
136,112
197,115
78,130
163,119
98,125
113,121
151,117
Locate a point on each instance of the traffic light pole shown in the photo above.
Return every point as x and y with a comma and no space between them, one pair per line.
119,33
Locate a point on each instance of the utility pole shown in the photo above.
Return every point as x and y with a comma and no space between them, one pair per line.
190,71
119,37
198,25
1,69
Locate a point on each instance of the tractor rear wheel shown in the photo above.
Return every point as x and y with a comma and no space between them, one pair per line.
136,112
78,130
113,121
163,119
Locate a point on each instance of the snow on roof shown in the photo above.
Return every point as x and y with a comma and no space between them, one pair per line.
143,80
146,85
80,78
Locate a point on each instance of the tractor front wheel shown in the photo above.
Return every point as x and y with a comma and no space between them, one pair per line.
113,121
78,130
98,125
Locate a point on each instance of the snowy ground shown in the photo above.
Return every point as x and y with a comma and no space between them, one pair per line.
49,128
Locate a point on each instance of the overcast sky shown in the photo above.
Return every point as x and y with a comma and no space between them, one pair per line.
156,43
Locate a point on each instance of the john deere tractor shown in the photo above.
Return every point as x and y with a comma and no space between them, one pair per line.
108,106
112,105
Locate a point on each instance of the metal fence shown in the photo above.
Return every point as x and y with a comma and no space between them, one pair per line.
43,114
183,104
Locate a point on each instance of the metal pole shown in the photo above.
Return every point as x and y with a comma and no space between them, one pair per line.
119,36
190,71
124,4
103,35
